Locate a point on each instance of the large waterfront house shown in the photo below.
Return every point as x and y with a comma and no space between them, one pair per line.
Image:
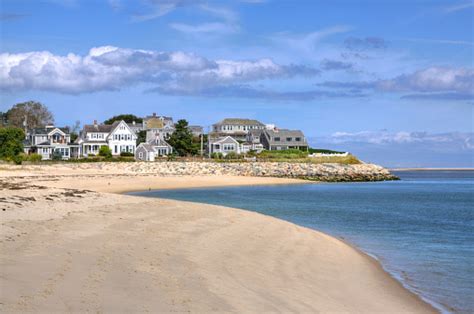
282,139
50,140
235,127
117,136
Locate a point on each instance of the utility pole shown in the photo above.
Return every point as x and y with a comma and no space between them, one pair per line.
202,144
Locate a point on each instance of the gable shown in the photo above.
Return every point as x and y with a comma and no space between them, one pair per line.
56,130
227,140
122,128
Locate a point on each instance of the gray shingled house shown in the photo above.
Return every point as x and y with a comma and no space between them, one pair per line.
282,139
49,140
235,127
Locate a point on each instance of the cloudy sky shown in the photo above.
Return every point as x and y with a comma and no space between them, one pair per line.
392,81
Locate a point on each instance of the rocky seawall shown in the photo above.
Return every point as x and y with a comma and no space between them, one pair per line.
316,172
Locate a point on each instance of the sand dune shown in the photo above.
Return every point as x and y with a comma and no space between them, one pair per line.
69,244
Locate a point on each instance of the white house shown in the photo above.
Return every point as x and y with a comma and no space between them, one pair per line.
50,140
224,145
119,137
145,152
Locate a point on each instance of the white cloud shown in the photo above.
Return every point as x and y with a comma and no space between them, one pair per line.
113,68
463,140
458,7
433,83
432,79
204,28
308,41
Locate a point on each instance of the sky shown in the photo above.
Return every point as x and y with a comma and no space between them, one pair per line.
390,81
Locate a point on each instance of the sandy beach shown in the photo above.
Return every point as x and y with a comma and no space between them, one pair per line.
70,242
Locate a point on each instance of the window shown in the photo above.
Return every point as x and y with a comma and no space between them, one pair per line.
217,146
276,139
140,155
298,139
288,139
228,147
116,149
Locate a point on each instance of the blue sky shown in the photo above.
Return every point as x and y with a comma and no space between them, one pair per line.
369,76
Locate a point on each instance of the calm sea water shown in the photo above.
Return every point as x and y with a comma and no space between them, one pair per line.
420,228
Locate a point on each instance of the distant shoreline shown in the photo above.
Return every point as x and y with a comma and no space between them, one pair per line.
431,169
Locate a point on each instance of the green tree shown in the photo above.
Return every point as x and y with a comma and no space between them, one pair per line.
105,151
11,142
32,113
182,139
141,137
74,130
129,118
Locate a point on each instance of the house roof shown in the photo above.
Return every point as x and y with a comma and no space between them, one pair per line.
46,143
135,125
101,128
158,117
256,132
47,130
224,134
226,139
239,121
158,141
195,128
283,134
147,147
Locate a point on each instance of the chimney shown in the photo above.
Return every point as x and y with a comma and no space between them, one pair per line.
95,122
154,114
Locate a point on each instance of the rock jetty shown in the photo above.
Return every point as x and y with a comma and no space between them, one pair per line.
317,172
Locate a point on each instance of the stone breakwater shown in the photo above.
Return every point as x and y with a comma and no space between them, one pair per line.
317,172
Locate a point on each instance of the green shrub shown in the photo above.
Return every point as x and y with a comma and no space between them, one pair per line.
283,154
126,154
217,156
171,157
105,151
17,159
56,155
123,158
323,151
232,155
34,157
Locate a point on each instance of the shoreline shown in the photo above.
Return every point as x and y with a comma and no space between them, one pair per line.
58,210
374,260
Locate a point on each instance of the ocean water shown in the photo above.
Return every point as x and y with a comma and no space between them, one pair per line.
420,228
